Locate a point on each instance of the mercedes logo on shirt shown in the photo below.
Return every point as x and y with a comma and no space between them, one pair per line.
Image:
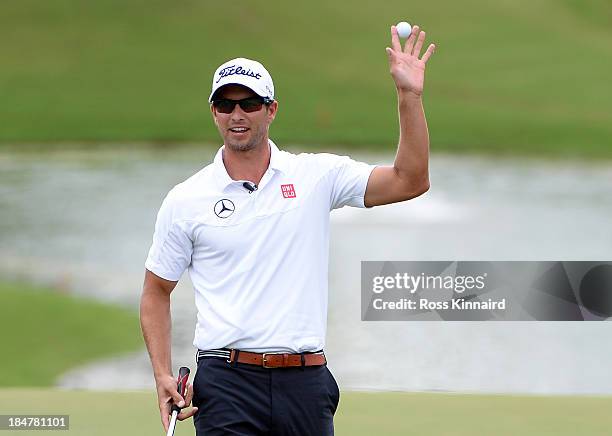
224,208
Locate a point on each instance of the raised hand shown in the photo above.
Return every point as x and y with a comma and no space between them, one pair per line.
407,70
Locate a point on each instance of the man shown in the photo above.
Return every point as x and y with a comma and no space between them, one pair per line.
252,228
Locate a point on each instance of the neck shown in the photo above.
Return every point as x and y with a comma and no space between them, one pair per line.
247,165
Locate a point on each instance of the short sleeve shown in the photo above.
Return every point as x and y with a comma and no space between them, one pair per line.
349,180
170,252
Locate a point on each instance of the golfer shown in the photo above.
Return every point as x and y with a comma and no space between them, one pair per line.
252,229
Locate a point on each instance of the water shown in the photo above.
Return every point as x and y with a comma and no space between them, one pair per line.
83,221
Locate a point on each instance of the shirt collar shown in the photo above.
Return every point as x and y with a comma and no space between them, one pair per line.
277,163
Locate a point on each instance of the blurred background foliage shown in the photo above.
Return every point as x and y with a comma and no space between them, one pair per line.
507,77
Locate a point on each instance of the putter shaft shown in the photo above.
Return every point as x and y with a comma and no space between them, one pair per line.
172,424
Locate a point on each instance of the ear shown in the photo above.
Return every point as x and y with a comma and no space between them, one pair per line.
214,114
272,109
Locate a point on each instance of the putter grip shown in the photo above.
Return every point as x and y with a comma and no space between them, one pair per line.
181,384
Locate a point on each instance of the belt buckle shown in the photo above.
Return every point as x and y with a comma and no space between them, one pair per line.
264,362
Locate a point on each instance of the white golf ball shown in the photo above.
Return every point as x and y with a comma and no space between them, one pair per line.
403,29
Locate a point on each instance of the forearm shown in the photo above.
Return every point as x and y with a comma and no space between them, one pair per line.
412,159
155,322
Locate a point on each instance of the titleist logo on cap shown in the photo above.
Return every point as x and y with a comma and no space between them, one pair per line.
233,69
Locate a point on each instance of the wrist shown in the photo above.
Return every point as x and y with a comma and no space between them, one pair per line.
161,375
409,94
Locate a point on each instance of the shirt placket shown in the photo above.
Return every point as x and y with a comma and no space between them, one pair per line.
264,182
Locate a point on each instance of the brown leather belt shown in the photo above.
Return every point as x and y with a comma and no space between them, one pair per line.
277,360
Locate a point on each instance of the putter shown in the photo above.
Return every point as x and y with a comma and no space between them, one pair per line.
181,385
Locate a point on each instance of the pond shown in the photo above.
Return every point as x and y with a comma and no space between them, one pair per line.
83,221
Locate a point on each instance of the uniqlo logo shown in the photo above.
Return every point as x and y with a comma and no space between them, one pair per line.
288,191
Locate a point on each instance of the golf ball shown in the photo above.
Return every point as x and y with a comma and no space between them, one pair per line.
403,29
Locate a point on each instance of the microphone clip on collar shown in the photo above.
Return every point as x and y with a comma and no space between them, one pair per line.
249,186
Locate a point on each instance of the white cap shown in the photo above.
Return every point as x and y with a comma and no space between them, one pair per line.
245,72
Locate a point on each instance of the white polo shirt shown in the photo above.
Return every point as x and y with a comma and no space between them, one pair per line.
258,261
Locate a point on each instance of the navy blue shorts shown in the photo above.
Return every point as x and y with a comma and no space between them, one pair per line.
242,399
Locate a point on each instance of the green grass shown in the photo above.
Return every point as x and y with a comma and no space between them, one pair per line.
507,77
389,414
45,333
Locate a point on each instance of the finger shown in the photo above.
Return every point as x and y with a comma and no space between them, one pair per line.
410,41
419,44
430,50
188,395
187,414
390,54
165,407
177,399
395,41
165,419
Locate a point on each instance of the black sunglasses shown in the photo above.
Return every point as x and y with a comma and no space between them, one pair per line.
250,104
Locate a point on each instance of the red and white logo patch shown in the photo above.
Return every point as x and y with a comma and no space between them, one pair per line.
288,191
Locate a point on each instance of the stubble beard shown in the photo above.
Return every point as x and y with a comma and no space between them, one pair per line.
257,137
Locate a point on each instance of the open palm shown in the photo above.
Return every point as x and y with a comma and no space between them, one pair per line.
407,70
